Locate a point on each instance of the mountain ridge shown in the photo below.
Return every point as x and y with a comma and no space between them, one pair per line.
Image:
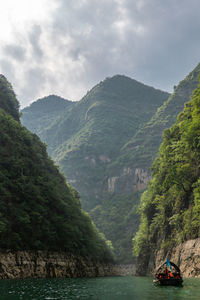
164,117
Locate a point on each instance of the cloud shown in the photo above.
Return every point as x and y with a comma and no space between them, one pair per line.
8,69
84,41
15,51
34,38
151,40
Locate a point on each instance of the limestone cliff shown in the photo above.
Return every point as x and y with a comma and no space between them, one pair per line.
185,255
43,264
130,180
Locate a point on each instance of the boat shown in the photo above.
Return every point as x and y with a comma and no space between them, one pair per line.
168,274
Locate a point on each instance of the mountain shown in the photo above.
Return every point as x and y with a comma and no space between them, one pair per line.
86,141
170,206
39,210
129,173
44,112
144,146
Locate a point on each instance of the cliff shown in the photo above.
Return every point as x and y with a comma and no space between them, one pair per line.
129,180
185,255
44,264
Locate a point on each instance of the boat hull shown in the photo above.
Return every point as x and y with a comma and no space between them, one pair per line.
169,281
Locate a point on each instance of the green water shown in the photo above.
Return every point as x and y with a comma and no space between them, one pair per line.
108,288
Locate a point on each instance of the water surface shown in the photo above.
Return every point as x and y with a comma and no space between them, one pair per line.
107,288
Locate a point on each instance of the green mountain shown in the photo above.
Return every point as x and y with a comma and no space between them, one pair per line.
170,208
39,210
117,214
44,112
86,141
143,147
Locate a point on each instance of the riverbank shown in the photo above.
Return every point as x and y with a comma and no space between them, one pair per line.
43,264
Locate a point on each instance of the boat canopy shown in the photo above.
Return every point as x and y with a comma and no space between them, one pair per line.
172,264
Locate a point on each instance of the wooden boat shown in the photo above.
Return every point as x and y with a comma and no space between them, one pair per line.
166,276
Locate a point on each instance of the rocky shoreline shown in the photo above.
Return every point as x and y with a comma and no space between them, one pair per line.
186,256
43,264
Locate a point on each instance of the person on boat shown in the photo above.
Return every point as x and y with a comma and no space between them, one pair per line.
166,271
170,275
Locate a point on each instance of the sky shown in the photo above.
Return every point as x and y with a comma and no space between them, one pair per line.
65,47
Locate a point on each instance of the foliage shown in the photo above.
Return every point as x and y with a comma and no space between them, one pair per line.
170,208
38,209
44,112
144,145
117,216
8,101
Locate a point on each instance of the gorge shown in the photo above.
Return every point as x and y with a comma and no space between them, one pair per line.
106,144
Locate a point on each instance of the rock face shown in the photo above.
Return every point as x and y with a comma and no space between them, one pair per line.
186,256
42,264
129,181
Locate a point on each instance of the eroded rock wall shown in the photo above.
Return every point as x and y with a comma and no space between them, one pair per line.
43,264
186,256
130,180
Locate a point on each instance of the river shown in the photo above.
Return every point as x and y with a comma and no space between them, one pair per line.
107,288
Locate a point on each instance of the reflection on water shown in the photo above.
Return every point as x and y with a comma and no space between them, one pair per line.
108,288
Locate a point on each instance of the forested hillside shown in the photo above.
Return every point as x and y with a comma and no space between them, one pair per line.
41,114
8,102
86,141
39,210
170,208
117,214
143,147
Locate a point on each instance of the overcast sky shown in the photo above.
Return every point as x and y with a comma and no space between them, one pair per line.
65,47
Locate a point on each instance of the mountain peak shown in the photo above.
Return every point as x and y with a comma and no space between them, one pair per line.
122,79
120,89
48,103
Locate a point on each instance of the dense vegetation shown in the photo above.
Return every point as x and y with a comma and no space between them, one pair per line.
86,141
117,216
143,147
170,208
9,102
38,209
43,113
